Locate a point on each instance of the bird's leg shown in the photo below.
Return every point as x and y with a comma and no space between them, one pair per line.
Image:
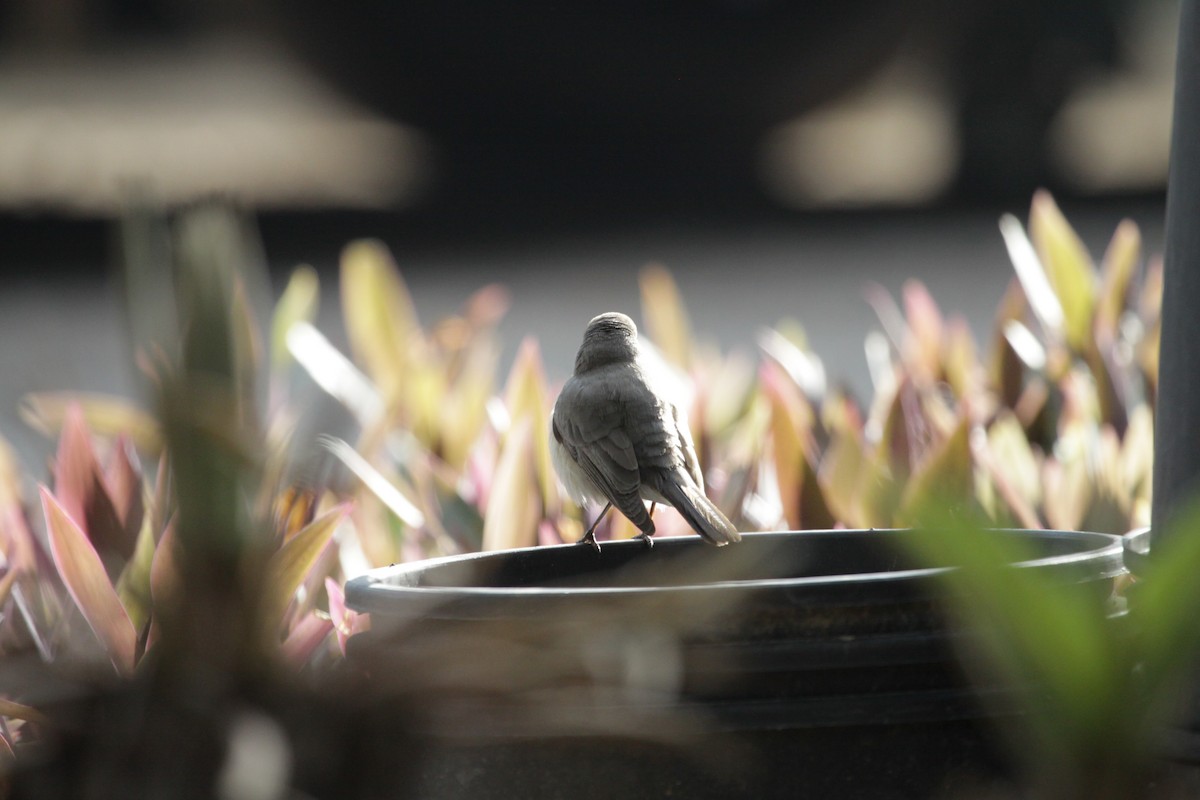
590,536
647,537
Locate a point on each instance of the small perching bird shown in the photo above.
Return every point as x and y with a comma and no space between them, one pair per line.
619,440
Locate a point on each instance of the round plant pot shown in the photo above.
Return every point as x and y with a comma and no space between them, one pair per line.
815,663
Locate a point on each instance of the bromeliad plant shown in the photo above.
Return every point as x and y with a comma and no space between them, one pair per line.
241,528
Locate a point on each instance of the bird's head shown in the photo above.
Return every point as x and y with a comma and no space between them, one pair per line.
609,338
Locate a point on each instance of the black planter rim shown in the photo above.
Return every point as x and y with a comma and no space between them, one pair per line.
385,588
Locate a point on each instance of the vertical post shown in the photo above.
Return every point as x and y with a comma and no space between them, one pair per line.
1177,417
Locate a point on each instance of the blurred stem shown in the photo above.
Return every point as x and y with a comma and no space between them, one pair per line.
207,406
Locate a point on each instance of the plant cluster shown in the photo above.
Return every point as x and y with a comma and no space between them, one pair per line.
433,453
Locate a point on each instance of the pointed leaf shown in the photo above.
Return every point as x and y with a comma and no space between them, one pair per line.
926,332
381,321
896,448
133,587
123,479
513,509
1012,456
85,579
346,621
963,370
840,475
1117,270
1031,273
1005,368
464,412
665,316
291,563
104,414
787,446
16,540
305,638
525,397
298,303
801,365
1068,267
728,393
1069,491
81,488
946,473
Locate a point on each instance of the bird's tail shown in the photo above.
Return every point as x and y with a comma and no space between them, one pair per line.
700,512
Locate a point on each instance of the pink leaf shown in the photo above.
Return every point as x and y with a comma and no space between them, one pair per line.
79,485
123,480
85,579
346,621
305,638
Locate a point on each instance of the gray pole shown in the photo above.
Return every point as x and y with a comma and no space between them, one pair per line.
1177,418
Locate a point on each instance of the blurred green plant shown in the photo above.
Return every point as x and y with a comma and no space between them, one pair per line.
1099,696
1049,426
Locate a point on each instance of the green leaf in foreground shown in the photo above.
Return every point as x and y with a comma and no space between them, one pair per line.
1051,641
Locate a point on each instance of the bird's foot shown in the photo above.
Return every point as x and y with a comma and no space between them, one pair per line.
589,538
648,538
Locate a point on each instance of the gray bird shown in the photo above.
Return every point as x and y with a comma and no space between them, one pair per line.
617,439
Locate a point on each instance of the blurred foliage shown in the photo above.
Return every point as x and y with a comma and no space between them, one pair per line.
1101,696
1047,425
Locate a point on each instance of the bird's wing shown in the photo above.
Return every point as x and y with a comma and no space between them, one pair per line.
594,432
687,449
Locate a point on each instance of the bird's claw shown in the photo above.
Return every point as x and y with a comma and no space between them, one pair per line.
648,538
589,538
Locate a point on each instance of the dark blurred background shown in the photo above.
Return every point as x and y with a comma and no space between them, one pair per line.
775,155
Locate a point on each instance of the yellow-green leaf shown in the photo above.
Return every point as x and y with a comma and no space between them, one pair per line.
381,321
525,397
85,579
133,587
105,415
840,475
513,510
786,444
1117,269
1012,456
298,303
946,473
665,316
464,411
1068,267
291,563
963,371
